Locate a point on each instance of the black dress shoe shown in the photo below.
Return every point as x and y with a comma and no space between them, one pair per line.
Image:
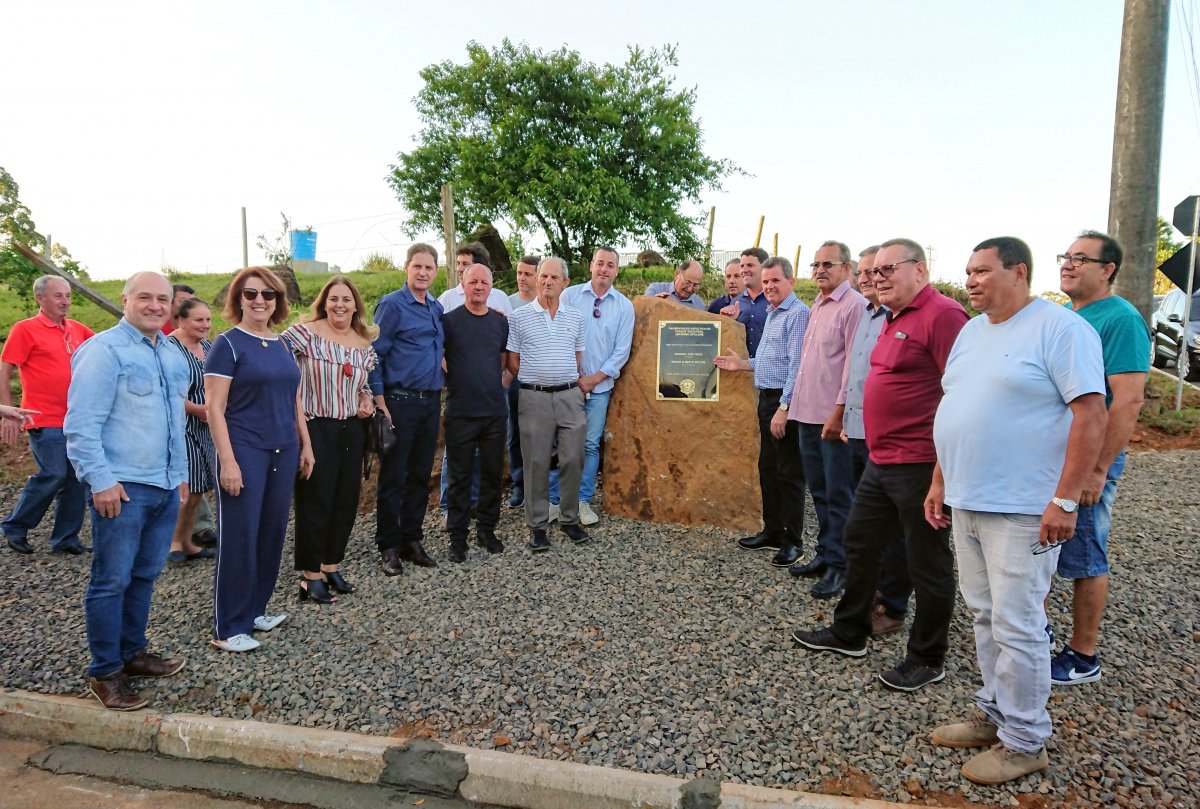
814,567
758,542
205,539
316,590
489,540
538,541
76,548
575,532
415,553
19,545
786,556
458,550
390,558
334,579
830,584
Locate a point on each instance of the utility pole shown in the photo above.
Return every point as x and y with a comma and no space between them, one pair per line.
448,231
712,218
1137,146
245,243
929,259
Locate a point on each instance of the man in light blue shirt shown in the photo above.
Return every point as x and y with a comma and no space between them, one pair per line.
125,439
608,323
688,277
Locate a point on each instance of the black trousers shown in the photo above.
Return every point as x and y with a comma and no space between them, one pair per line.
327,503
895,587
780,474
404,472
464,435
892,496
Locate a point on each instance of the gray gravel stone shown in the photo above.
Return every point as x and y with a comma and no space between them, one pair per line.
663,649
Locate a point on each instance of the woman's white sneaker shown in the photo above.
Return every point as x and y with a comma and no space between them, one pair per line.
238,643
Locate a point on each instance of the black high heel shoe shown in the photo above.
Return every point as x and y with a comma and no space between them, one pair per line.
316,591
334,579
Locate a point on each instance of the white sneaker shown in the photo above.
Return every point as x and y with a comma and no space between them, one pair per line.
265,623
553,513
586,515
238,643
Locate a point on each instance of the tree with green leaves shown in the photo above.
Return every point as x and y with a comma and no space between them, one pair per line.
587,154
16,225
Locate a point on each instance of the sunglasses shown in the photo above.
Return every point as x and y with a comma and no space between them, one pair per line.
596,308
826,265
251,294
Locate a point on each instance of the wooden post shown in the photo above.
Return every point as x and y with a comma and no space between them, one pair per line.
775,245
245,244
796,263
448,231
712,217
758,236
51,268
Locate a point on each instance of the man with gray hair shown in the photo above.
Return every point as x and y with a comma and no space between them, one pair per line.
780,470
818,403
901,396
545,344
688,277
40,348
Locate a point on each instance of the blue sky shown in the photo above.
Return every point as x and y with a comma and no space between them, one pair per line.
947,122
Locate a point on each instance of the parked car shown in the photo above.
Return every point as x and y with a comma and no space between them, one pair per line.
1169,335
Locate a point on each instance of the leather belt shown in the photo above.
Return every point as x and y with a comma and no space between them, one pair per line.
549,388
409,393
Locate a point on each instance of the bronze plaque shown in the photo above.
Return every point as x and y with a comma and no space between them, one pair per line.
685,360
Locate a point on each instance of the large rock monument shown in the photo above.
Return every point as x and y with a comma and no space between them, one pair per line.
671,452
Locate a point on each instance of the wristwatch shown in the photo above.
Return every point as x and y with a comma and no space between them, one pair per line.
1066,505
783,406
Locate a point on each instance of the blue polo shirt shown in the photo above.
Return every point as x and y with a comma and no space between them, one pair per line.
409,344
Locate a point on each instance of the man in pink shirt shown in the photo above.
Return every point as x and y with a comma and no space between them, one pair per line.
818,403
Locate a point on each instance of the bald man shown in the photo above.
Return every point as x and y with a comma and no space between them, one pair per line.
128,381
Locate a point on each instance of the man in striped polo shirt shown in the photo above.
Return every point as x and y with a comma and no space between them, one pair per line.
545,345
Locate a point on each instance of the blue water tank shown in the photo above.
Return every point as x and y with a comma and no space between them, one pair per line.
304,244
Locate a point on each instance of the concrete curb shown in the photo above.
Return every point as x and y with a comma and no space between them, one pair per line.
489,777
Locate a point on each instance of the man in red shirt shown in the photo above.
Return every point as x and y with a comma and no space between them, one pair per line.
900,399
40,348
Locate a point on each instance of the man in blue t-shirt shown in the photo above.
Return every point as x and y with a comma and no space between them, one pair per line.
1017,435
1087,273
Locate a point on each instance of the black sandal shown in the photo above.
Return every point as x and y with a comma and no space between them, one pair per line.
315,591
335,580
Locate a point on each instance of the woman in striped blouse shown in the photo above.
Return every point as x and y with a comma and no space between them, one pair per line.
333,348
191,337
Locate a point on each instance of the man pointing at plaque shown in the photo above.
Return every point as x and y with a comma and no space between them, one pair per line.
608,325
780,472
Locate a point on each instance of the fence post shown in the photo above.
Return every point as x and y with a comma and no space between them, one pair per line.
758,236
448,231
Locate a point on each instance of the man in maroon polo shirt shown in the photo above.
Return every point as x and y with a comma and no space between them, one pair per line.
900,398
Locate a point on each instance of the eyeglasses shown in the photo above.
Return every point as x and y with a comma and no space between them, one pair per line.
826,265
885,271
252,294
1079,259
596,308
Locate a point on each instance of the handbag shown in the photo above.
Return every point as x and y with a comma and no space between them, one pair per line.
380,439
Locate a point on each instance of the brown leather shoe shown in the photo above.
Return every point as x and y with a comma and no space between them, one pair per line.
145,664
415,553
390,559
882,623
115,694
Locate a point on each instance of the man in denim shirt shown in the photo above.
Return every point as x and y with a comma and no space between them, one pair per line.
125,438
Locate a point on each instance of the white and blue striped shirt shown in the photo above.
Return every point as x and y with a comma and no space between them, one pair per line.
778,357
547,345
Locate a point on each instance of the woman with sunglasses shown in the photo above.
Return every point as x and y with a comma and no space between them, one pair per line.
261,438
191,337
333,348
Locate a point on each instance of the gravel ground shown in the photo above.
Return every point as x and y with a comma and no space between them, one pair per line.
665,649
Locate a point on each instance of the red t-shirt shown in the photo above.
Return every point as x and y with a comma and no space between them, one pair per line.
167,328
42,351
904,386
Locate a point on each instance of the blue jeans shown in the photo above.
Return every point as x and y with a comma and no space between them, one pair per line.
1086,555
475,472
595,408
515,462
55,478
829,470
128,553
1004,584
